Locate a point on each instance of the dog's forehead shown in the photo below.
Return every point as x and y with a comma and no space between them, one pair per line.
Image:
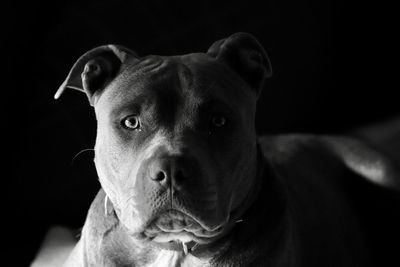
198,74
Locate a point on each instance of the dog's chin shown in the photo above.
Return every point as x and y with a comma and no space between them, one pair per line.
173,228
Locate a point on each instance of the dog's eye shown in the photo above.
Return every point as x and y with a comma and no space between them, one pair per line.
218,121
131,122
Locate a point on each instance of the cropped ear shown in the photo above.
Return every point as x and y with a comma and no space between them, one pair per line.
244,54
95,69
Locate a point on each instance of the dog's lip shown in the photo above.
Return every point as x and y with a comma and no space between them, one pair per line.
195,229
199,232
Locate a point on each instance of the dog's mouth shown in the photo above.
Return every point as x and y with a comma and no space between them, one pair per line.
175,226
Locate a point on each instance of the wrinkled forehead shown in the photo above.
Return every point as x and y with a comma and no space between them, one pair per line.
197,75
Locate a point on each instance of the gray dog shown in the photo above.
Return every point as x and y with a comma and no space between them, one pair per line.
187,182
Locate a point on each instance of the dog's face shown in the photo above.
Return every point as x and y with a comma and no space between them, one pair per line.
176,143
176,146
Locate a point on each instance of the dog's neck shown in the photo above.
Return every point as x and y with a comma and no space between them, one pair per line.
260,219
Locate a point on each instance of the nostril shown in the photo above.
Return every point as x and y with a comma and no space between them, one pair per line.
180,176
159,176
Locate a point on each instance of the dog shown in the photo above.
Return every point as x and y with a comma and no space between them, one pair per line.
186,181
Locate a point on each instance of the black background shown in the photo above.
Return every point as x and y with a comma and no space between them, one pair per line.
331,64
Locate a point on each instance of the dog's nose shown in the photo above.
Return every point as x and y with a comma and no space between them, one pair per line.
169,170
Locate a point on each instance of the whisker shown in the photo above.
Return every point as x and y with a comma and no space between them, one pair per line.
79,153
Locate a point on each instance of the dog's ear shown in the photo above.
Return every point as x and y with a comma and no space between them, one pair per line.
244,54
95,69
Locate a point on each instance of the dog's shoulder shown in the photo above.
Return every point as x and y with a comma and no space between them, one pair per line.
97,228
286,146
96,218
296,151
303,152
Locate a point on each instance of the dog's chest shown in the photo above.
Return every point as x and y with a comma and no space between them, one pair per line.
168,258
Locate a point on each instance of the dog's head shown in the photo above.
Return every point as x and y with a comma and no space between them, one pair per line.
176,148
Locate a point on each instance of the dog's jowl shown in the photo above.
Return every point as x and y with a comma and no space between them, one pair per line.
187,182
